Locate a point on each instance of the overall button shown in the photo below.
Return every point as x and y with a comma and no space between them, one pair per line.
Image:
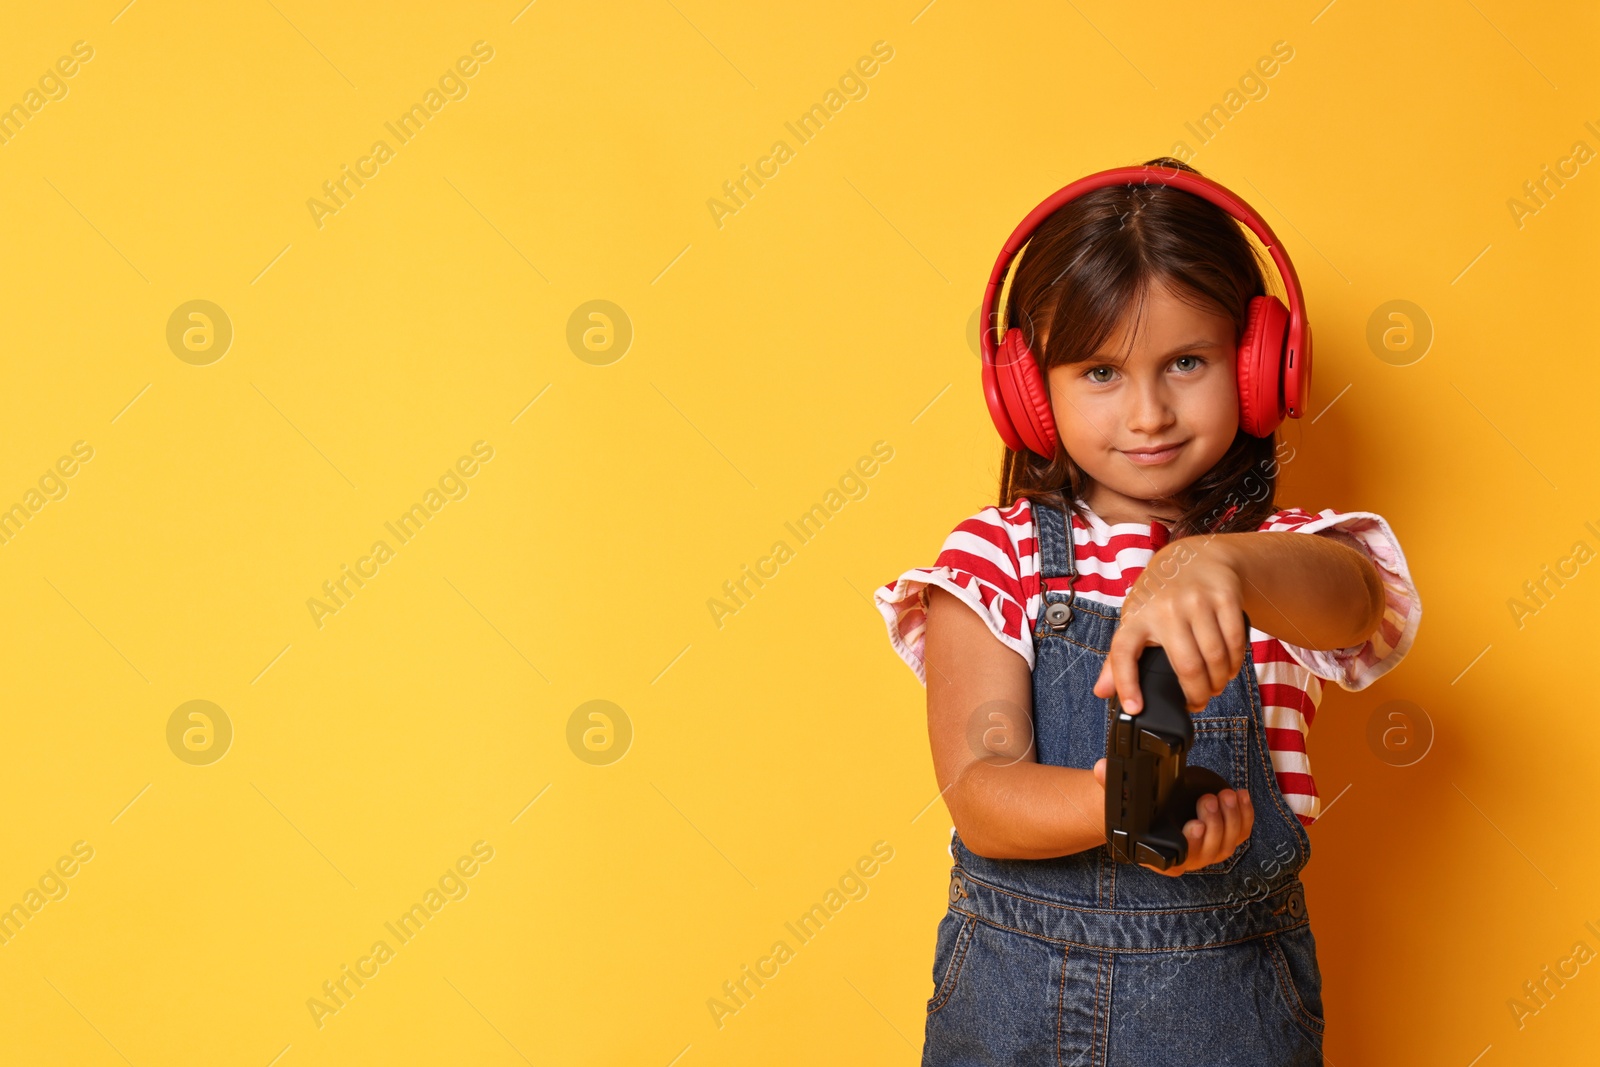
1296,903
1057,616
957,890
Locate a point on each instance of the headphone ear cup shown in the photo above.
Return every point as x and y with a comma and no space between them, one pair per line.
1027,398
1261,355
997,397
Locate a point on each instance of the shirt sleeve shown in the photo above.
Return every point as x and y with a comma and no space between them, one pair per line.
986,562
1358,666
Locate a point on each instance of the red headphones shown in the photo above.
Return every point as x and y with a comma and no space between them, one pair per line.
1274,351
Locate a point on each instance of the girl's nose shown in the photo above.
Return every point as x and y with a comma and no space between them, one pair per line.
1150,411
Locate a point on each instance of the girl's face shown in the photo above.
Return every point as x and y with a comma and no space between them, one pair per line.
1150,426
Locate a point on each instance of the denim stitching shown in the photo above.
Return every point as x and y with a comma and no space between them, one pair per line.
1049,634
1111,988
1291,994
947,985
1236,728
1132,951
1094,1023
1061,1001
1132,912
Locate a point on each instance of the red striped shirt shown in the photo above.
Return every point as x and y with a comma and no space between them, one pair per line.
991,563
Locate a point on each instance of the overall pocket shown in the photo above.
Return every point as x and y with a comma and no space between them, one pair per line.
1222,744
1294,956
950,951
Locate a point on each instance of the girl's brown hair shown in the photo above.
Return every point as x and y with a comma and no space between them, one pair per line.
1086,267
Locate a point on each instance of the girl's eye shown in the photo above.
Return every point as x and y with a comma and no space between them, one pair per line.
1195,361
1092,371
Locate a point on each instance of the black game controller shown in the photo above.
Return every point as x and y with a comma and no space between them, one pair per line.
1151,791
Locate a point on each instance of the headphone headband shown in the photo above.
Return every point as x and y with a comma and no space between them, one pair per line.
1297,345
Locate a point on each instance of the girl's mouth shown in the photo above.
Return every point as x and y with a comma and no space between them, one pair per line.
1146,458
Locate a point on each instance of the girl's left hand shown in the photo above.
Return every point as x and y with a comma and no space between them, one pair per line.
1221,821
1188,600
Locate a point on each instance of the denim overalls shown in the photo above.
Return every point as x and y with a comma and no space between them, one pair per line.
1079,960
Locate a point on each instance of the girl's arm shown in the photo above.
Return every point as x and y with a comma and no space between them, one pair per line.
1312,591
1005,804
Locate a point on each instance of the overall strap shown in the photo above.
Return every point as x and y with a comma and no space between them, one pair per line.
1053,530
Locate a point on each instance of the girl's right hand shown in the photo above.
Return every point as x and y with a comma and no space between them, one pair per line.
1189,600
1222,820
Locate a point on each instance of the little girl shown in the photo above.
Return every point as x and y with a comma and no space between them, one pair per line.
1136,508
